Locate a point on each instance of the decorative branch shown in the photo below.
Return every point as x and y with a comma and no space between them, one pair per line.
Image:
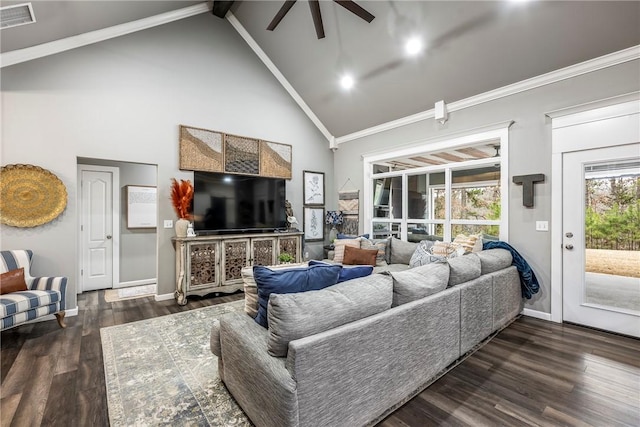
181,197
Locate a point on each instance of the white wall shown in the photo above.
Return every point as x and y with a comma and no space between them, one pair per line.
123,100
529,152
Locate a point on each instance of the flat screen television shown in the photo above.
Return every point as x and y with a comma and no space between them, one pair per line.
224,203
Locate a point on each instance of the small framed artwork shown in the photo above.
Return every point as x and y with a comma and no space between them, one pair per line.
313,188
313,224
141,206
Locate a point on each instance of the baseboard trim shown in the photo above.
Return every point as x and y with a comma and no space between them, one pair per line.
131,283
537,314
164,297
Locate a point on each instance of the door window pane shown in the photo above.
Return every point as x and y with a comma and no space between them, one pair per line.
612,235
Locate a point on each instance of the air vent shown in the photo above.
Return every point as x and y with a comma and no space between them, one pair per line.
19,14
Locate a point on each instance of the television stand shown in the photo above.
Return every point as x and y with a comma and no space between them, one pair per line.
208,264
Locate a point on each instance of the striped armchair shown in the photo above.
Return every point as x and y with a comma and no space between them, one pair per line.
44,295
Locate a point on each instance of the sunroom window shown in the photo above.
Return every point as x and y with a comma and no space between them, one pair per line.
454,188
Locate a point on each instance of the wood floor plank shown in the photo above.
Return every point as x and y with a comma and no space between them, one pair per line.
533,373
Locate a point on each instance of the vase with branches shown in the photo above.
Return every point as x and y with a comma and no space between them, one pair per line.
181,198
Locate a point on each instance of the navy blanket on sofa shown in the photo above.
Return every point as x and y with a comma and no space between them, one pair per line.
528,279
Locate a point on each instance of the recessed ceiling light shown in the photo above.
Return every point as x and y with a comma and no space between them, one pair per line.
347,82
413,46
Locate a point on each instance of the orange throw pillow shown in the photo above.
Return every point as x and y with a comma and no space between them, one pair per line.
12,281
357,256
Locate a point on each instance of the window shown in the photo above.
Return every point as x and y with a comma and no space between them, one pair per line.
439,189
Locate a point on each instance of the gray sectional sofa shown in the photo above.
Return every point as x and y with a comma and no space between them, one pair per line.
350,354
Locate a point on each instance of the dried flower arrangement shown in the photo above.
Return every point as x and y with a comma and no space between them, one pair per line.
181,197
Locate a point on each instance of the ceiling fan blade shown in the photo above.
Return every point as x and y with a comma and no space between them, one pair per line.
359,11
281,13
314,5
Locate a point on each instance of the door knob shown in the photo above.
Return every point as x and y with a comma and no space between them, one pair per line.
108,236
569,246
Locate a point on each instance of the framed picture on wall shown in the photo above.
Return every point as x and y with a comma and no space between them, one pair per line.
141,206
313,220
313,188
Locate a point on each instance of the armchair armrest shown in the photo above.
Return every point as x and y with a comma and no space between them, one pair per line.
50,283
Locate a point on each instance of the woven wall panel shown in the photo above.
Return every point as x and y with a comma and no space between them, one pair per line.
275,160
200,150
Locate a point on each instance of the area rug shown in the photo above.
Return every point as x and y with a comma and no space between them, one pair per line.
161,372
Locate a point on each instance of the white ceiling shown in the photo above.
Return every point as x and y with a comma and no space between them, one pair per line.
471,47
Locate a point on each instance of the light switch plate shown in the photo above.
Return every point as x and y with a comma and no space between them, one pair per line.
542,225
168,223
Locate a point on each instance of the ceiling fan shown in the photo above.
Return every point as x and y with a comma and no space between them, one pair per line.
314,5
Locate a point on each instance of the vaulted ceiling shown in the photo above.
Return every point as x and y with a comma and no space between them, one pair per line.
470,47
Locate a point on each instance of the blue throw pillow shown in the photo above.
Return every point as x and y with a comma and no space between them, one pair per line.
348,273
346,236
290,281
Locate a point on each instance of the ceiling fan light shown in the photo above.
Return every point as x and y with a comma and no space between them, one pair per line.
413,46
347,82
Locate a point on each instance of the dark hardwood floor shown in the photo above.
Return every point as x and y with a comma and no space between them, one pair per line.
532,373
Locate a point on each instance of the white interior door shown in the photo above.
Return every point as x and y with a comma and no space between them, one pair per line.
601,241
98,234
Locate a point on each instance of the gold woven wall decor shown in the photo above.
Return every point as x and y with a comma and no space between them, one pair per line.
30,196
275,160
212,151
201,149
349,204
241,155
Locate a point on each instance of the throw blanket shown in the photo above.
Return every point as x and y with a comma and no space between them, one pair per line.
528,279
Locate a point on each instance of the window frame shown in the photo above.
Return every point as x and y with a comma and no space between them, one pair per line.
498,133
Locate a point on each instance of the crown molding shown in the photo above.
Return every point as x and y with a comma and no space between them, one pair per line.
30,53
279,76
571,71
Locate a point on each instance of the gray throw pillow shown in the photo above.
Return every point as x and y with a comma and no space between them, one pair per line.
419,282
401,251
299,315
464,268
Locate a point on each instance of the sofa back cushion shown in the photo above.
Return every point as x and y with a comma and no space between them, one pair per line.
464,268
290,281
419,282
295,316
401,251
494,259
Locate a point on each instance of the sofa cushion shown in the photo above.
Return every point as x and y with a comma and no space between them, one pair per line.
12,281
401,251
339,245
22,301
294,316
381,246
494,259
419,282
464,268
357,256
251,289
290,281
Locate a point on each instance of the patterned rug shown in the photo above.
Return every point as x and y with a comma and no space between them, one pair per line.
161,372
